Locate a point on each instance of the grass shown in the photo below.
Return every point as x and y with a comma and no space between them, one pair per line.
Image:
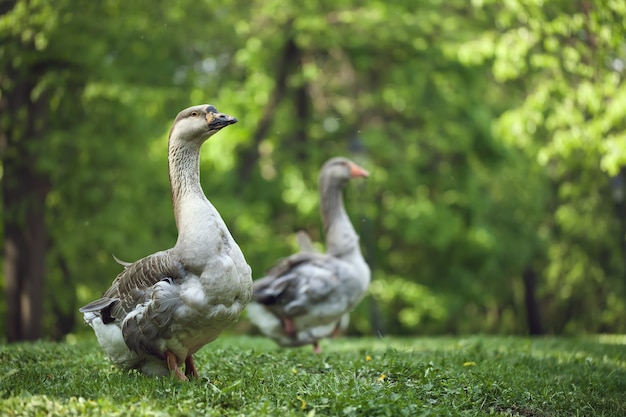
250,376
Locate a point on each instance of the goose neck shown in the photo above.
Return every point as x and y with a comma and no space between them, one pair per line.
184,174
341,237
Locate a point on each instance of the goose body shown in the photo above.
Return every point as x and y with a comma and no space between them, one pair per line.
163,308
309,295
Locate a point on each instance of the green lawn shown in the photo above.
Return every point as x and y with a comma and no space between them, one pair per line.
250,376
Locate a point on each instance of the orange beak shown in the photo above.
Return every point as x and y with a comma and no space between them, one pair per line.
356,171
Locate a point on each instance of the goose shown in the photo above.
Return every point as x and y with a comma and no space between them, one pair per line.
163,308
305,244
309,295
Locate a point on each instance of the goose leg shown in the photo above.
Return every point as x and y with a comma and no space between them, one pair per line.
170,359
288,327
316,348
336,331
190,368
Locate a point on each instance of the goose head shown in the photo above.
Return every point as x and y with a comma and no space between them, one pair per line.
334,176
338,171
198,123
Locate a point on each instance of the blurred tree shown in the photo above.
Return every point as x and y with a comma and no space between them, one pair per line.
83,86
392,77
29,82
566,61
466,110
491,131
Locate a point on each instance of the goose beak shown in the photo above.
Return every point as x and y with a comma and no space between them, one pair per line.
218,120
356,171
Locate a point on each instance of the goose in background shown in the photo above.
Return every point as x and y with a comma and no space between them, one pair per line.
309,295
163,308
305,244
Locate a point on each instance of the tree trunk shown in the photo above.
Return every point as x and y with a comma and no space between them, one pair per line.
533,317
25,241
64,309
249,157
300,134
618,185
24,192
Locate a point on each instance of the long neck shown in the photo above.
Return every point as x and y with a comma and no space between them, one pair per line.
202,234
341,238
184,171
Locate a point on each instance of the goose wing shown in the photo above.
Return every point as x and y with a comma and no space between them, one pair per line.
297,283
133,284
304,242
125,264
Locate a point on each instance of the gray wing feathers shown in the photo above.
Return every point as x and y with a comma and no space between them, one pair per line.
304,242
134,284
98,305
297,283
151,322
123,263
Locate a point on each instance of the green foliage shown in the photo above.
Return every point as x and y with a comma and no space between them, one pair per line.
374,377
491,130
567,60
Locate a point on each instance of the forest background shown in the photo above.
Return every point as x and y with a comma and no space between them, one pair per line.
494,132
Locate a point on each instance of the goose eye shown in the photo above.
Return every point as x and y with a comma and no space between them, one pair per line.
194,114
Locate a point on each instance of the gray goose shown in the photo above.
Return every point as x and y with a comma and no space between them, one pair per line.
309,295
163,308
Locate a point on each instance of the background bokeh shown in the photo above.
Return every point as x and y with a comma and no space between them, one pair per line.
494,132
